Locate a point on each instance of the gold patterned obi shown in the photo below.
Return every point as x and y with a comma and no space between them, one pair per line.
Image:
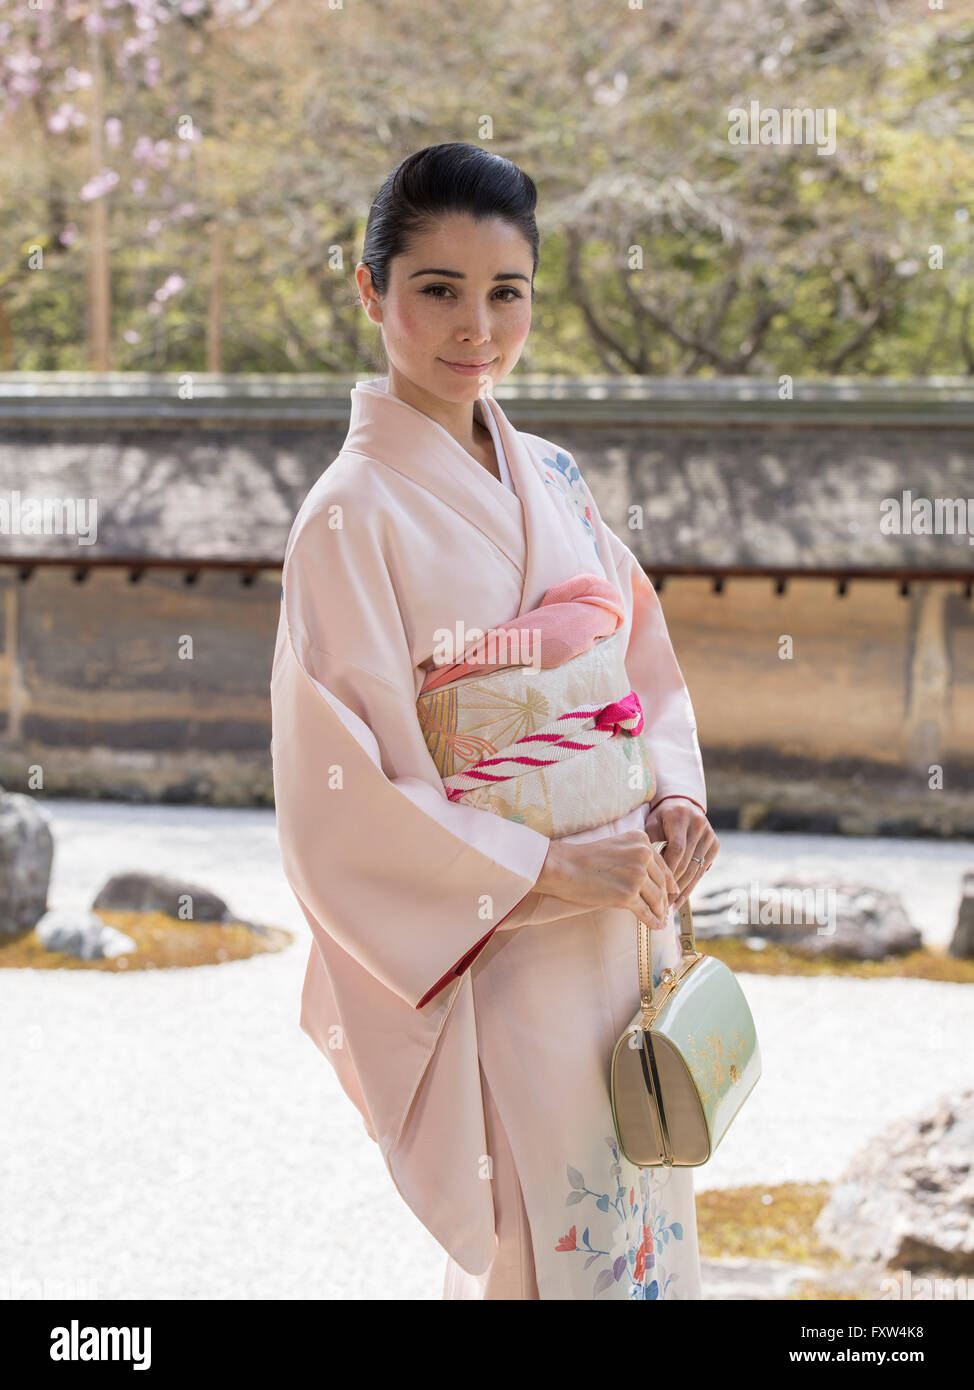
558,749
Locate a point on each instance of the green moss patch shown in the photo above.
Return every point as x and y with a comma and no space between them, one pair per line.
162,943
776,1222
928,963
740,1221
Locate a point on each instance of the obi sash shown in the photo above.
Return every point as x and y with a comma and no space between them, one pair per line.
558,748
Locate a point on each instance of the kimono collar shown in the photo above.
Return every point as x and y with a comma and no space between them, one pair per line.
385,429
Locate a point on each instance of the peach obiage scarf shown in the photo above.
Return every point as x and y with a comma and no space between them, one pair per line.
570,618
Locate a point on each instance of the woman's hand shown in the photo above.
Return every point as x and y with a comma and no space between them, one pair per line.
616,871
691,845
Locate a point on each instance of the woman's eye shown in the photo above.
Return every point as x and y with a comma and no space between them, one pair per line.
432,291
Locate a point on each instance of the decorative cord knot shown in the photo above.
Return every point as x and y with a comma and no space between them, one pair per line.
623,716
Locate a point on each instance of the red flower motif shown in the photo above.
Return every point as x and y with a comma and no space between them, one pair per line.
567,1242
632,1196
645,1249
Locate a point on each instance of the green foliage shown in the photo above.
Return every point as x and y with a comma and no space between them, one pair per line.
762,259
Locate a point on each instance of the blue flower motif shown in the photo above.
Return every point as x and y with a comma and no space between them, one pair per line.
561,473
641,1231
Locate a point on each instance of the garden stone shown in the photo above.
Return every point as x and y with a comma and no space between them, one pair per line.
80,933
139,892
906,1200
26,855
812,914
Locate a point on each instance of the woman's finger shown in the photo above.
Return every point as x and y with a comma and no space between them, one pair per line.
661,873
647,909
656,902
682,827
703,856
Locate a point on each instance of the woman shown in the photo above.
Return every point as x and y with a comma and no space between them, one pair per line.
469,976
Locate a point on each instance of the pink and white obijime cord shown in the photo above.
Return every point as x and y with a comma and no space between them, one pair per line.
565,737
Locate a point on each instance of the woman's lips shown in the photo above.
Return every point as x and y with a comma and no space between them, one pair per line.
468,369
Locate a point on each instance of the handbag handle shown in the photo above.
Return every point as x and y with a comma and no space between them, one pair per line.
688,949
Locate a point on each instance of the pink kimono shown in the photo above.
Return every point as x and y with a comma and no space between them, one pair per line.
453,999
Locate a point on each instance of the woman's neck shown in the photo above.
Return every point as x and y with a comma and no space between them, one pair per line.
456,417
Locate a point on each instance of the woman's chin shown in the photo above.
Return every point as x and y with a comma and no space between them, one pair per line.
441,381
467,386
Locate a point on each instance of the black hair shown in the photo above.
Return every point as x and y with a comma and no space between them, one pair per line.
439,180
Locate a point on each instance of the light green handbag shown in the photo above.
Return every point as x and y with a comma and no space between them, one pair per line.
688,1060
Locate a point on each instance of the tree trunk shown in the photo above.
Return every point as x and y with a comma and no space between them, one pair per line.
99,293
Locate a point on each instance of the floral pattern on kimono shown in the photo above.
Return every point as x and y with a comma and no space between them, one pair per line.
567,482
633,1226
630,1238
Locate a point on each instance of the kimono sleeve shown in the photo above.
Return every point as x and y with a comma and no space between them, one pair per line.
670,728
409,884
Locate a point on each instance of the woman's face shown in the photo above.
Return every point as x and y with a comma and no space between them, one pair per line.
462,294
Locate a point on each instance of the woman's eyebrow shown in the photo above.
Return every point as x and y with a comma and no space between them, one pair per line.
459,275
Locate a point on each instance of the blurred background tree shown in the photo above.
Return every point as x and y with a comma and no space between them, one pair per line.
185,182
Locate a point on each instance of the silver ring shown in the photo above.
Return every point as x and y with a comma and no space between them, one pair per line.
694,859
